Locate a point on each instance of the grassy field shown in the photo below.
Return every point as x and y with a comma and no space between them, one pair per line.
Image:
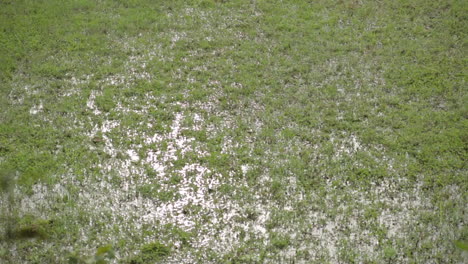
233,131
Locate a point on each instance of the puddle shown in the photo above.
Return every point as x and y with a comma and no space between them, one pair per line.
36,109
91,104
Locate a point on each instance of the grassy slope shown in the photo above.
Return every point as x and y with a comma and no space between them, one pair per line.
345,121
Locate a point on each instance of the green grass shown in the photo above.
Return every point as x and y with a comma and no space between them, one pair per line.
151,252
233,131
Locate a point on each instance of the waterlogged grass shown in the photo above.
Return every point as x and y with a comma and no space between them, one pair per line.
233,131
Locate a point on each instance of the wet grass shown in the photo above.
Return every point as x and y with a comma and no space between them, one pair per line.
233,131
